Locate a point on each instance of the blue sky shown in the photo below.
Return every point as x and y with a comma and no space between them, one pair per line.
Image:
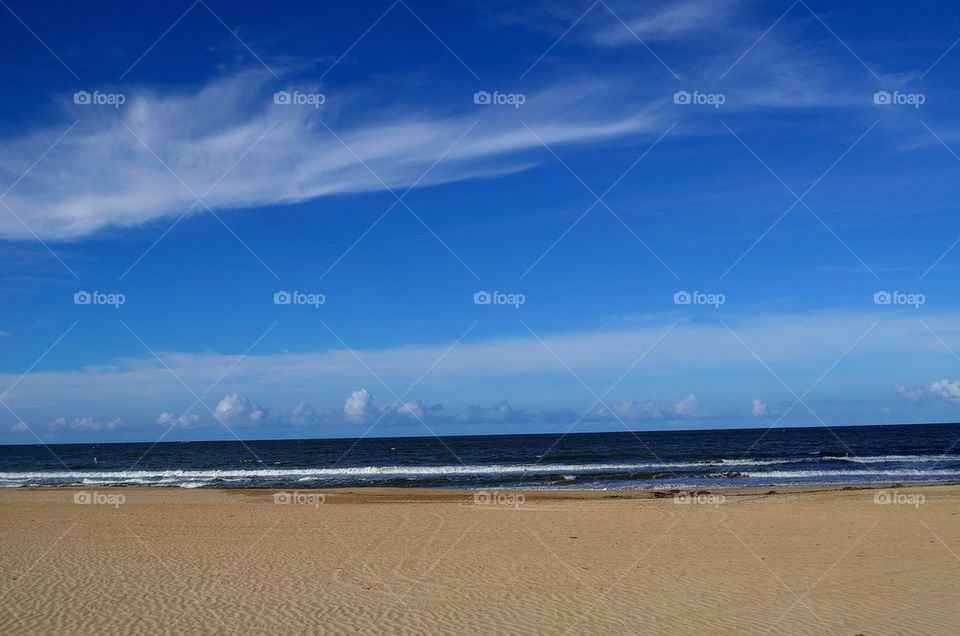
779,164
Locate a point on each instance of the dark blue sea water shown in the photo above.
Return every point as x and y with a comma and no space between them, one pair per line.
649,460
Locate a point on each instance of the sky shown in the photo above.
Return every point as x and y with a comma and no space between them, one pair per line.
230,220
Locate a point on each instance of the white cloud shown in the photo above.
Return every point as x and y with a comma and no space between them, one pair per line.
303,414
910,395
358,406
500,412
686,406
412,409
759,407
632,410
807,343
100,175
664,21
84,424
946,389
235,410
781,71
184,421
19,427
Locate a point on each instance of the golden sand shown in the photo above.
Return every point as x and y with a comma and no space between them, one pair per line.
405,562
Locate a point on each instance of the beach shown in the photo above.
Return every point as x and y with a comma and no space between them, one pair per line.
143,560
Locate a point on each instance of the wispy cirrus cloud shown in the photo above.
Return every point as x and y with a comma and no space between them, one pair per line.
662,22
228,142
725,46
231,144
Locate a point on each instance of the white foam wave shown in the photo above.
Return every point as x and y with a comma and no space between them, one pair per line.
794,474
356,471
205,477
884,459
761,462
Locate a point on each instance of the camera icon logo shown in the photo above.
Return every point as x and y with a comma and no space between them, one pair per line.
281,97
682,298
882,298
482,97
81,97
882,97
282,498
282,298
82,298
681,97
82,497
481,497
681,498
882,497
482,298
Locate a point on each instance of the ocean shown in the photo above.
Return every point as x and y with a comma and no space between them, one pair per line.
642,460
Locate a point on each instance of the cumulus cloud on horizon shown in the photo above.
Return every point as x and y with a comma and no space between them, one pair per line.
289,377
184,421
501,413
947,389
357,406
360,408
759,407
944,388
85,423
910,395
235,410
631,410
686,406
303,414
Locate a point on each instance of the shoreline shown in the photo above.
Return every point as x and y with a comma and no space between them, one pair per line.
419,493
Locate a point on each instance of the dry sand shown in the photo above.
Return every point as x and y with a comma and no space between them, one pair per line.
378,561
